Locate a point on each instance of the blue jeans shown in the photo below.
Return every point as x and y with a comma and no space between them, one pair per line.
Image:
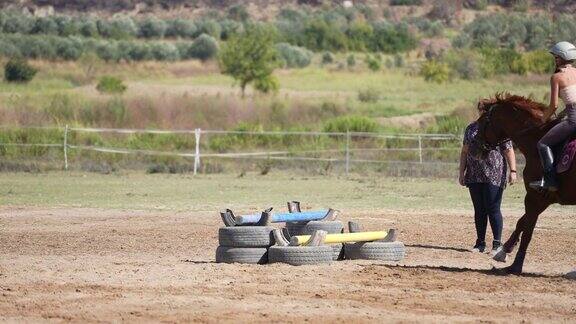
487,199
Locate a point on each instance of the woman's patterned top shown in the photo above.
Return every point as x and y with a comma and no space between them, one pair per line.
492,169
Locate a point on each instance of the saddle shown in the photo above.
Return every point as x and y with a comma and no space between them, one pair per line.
566,156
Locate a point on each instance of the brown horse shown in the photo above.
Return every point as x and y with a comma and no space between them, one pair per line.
521,120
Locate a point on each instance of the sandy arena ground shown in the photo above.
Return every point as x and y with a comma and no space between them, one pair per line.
100,265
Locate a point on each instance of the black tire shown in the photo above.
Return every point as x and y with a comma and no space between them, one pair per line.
246,236
295,228
337,251
225,254
331,227
384,251
300,255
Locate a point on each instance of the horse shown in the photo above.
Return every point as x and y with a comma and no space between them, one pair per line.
510,117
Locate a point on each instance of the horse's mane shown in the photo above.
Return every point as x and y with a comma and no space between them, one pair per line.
534,109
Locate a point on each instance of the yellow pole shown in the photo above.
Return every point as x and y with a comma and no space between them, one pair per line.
342,238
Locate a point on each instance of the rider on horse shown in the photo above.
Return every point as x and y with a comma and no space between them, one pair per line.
563,85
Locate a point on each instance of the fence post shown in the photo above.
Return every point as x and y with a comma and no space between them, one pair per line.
420,147
197,133
66,148
347,152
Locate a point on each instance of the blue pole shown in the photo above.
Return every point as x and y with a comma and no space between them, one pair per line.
284,217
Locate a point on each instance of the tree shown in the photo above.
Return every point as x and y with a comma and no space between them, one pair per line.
251,58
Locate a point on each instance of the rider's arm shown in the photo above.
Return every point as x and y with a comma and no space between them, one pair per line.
554,88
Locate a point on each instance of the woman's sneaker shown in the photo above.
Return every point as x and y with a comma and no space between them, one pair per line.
479,247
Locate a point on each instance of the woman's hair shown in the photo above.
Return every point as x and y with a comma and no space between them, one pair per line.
563,62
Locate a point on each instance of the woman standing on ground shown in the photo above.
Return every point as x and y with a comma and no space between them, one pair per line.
486,180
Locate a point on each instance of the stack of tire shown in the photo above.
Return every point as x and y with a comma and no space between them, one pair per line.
308,228
382,251
244,244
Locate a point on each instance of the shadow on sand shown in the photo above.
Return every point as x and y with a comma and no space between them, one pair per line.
491,272
423,246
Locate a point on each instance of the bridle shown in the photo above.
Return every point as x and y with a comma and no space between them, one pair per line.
483,143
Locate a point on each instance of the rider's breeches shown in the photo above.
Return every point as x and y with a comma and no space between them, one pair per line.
560,133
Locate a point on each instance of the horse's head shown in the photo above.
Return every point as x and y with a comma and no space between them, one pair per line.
503,118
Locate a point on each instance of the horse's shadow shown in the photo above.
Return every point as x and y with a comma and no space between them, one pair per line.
435,247
491,272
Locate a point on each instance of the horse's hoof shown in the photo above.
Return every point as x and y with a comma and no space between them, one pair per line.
500,255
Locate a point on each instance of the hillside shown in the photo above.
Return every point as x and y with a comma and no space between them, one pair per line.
264,9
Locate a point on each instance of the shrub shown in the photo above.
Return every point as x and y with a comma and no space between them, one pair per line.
181,28
327,58
7,49
107,51
164,52
88,27
209,27
343,124
37,47
139,51
405,2
351,60
319,35
15,22
238,12
466,64
111,85
392,39
293,56
434,71
152,27
369,95
476,4
204,48
45,25
18,71
68,49
398,61
373,63
230,28
120,27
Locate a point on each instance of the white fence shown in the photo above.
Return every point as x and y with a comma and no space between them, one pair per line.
345,155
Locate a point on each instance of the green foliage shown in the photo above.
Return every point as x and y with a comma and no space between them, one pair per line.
20,71
119,27
405,2
251,58
164,52
476,4
373,63
294,56
343,124
434,71
369,95
181,28
204,48
351,60
152,27
238,12
111,85
327,58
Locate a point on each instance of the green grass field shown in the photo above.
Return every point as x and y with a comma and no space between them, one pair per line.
211,193
400,93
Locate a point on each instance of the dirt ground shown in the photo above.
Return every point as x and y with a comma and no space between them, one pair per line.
80,264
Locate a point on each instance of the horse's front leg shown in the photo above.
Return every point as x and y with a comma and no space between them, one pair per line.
534,207
508,246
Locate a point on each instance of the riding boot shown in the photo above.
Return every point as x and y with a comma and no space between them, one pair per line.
548,181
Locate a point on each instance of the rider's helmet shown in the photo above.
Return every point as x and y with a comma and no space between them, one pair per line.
564,50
